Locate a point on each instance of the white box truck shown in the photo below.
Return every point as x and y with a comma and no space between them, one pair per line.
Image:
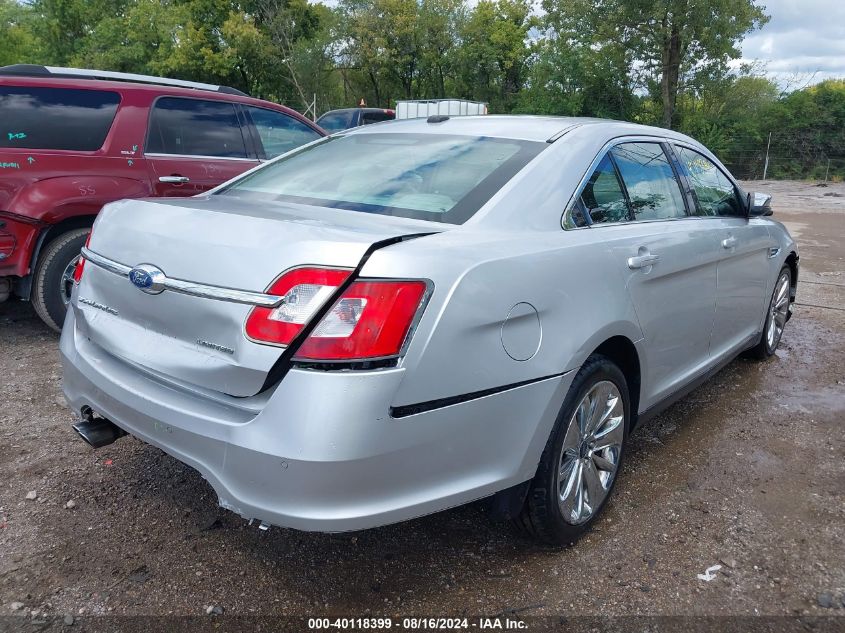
425,108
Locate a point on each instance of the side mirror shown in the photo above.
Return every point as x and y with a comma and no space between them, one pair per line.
759,204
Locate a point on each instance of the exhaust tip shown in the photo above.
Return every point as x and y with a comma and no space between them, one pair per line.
97,431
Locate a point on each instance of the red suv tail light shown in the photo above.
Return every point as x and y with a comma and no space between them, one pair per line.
370,320
80,264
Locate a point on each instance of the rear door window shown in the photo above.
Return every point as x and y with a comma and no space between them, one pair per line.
652,187
195,127
56,118
715,193
279,133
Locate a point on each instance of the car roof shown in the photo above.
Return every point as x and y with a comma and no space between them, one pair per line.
522,127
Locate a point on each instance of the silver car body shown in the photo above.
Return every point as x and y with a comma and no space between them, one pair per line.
518,303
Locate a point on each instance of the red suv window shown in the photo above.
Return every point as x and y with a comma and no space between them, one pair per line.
195,127
56,118
279,133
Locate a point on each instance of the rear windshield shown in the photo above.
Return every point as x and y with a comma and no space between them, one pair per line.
423,176
336,121
56,118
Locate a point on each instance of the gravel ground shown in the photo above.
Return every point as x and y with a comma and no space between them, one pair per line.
746,472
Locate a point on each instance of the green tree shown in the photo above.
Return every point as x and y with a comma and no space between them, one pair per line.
572,76
494,53
20,44
670,40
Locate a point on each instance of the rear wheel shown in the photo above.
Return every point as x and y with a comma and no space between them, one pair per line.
578,468
53,280
776,317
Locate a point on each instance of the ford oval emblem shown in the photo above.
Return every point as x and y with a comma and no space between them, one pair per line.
148,278
140,278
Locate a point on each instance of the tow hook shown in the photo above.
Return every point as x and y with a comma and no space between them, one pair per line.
97,431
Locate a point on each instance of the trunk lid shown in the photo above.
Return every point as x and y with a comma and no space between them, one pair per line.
220,241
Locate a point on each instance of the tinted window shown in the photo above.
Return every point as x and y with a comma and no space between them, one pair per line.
431,177
602,199
377,117
280,133
336,121
715,193
196,128
54,118
650,181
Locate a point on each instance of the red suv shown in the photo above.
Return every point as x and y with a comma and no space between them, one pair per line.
76,139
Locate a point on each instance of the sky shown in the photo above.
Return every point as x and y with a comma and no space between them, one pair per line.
803,43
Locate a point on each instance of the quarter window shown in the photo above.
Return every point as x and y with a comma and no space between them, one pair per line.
650,181
194,127
602,200
715,193
56,118
280,133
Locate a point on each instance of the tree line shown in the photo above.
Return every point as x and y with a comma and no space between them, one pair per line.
660,62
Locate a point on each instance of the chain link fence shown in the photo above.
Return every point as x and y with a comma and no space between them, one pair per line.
782,157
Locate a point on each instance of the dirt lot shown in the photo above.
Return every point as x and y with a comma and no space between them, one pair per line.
747,472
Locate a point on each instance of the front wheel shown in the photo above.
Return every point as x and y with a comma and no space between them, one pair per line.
776,317
53,280
579,465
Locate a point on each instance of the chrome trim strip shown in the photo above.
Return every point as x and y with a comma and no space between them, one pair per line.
201,157
107,264
188,287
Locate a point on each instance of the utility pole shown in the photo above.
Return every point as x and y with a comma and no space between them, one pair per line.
766,164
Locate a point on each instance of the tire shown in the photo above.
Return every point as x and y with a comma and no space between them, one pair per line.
544,515
50,290
777,314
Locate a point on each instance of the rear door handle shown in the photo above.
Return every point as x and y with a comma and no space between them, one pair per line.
174,179
642,261
729,242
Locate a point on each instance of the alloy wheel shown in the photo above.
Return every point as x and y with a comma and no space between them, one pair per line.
591,451
66,281
778,311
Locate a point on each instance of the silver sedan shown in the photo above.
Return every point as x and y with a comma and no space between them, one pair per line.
407,317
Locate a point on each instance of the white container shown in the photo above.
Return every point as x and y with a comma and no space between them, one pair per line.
425,108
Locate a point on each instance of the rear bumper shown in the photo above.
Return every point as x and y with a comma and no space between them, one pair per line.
321,452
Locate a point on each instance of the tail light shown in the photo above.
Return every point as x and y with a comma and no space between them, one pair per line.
80,264
303,292
371,319
7,244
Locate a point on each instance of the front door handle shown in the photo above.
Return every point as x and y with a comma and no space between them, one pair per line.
729,242
174,179
642,261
